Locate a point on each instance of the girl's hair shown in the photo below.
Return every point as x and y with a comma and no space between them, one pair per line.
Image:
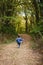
18,35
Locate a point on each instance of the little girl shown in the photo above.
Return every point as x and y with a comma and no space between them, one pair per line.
19,40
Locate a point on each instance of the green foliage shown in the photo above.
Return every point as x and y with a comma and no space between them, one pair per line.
11,18
37,31
8,29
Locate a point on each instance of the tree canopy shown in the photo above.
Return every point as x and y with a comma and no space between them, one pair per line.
15,12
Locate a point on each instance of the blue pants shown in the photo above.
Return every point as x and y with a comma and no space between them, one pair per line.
18,43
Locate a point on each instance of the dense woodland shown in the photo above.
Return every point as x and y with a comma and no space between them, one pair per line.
21,16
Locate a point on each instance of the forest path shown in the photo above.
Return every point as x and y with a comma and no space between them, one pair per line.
10,54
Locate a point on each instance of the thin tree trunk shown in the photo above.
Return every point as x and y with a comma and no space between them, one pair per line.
36,10
26,24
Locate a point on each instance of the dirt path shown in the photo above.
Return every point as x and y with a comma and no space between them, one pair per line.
11,55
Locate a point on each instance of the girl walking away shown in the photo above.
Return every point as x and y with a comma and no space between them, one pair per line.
19,40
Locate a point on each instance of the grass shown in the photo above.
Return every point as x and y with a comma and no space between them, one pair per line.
6,39
36,44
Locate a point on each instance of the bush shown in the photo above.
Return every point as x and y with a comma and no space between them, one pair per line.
9,29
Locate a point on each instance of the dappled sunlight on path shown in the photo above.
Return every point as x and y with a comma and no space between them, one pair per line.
10,54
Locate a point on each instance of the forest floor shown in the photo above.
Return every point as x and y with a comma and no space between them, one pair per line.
10,54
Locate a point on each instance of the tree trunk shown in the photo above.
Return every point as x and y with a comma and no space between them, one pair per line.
36,10
26,24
